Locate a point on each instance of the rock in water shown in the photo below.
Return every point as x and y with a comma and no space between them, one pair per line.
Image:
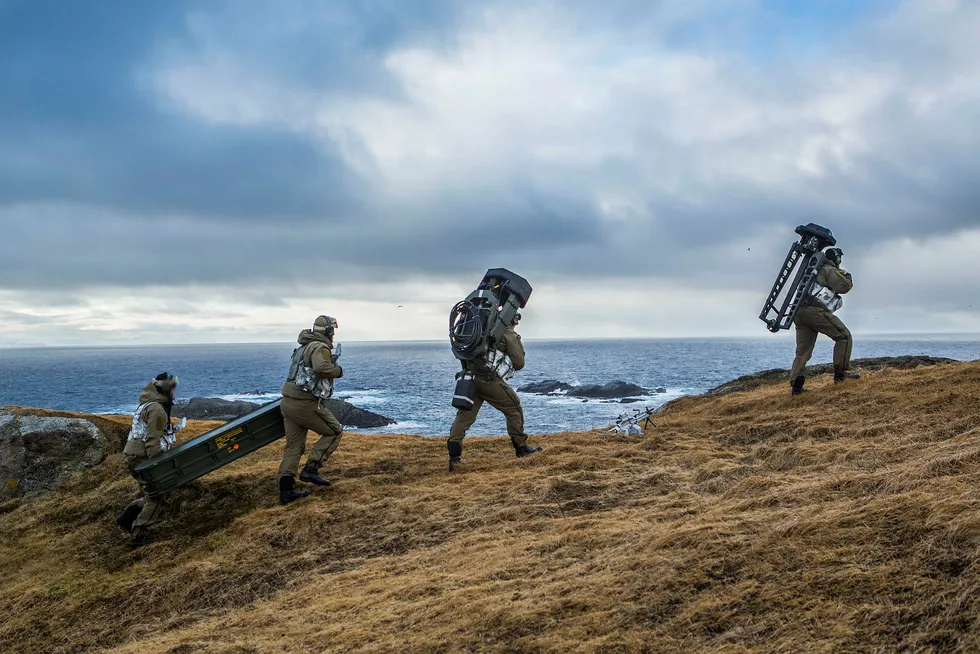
212,408
616,389
545,387
207,408
37,452
351,416
611,390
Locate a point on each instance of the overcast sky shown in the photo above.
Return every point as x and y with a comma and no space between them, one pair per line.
226,171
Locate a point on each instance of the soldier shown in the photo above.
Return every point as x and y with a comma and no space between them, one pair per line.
314,367
817,317
492,388
151,435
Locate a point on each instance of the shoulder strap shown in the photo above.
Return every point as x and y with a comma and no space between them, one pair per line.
296,361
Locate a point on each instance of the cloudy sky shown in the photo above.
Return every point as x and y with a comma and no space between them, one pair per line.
225,171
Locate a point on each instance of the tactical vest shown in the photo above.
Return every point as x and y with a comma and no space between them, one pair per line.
138,432
303,375
495,364
500,364
826,298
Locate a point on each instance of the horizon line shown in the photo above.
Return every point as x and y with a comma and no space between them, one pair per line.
866,335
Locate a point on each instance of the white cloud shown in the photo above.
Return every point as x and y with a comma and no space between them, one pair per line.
697,162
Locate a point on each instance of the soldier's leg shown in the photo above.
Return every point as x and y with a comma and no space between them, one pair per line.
293,452
330,430
128,515
292,414
806,339
149,514
832,326
503,398
464,420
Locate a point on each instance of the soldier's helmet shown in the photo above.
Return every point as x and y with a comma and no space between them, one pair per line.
836,255
324,325
166,382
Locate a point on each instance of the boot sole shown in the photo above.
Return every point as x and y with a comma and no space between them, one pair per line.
283,502
324,483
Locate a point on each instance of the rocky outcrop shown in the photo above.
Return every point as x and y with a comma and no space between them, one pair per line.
207,408
545,387
616,389
779,375
212,408
37,452
352,416
612,390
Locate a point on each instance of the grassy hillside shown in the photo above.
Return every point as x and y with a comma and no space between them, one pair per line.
844,520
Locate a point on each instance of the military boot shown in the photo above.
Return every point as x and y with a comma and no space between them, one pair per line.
287,490
523,451
798,385
455,455
840,378
311,474
141,537
128,516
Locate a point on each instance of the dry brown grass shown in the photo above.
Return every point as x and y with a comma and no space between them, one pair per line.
845,520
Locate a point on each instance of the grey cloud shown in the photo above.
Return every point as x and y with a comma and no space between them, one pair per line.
21,319
116,189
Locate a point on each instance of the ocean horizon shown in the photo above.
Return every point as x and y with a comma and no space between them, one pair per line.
412,381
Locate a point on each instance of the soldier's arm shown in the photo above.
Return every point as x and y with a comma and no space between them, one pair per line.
322,363
156,425
839,281
514,348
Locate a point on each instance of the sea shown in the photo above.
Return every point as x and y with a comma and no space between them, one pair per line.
412,382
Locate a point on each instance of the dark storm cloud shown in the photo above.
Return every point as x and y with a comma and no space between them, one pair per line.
106,180
78,127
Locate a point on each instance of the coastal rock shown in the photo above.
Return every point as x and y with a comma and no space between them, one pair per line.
352,416
612,390
616,389
545,387
38,452
212,408
779,375
207,408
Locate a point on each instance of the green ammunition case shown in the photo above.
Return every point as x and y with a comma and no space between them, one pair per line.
208,452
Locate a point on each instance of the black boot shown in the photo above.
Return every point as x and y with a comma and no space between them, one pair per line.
798,385
524,451
311,475
455,455
840,378
287,490
141,537
128,516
